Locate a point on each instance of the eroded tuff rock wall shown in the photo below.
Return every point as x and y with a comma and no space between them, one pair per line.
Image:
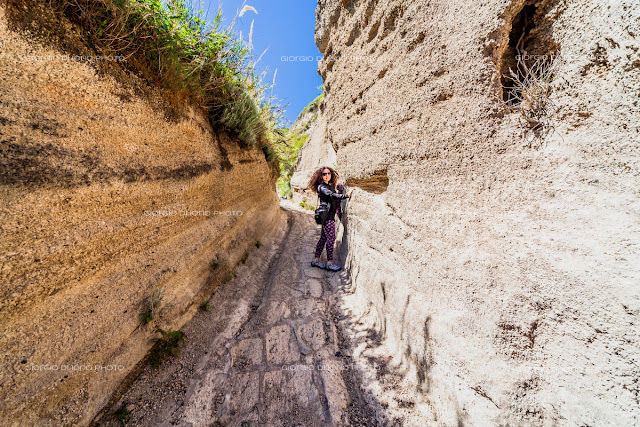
500,273
96,176
314,153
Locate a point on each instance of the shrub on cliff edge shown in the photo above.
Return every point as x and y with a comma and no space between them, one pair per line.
171,46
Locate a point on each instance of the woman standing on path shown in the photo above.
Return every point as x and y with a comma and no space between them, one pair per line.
323,182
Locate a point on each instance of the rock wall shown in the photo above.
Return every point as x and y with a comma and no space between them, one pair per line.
499,272
314,153
109,195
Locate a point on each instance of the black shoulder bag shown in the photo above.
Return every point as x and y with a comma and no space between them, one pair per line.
322,211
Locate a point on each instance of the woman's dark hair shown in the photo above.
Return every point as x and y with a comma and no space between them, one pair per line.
316,179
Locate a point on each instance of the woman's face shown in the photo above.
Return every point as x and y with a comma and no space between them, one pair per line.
326,176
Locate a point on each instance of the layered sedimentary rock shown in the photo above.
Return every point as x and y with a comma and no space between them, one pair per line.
112,200
313,154
497,264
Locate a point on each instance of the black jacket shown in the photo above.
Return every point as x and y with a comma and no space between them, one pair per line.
328,195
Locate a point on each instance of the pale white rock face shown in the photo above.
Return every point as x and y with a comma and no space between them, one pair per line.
501,276
313,154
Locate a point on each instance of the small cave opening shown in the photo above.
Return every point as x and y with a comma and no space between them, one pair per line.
375,183
530,51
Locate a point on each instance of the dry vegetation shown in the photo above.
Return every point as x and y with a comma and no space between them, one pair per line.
530,97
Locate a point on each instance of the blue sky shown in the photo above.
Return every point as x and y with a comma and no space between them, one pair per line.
287,29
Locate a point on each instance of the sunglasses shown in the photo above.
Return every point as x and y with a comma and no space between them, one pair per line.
326,173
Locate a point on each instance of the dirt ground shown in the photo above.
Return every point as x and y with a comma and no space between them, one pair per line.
270,350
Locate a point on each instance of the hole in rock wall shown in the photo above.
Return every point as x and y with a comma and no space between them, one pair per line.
530,44
376,183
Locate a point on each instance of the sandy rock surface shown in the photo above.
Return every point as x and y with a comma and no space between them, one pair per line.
491,274
500,272
109,196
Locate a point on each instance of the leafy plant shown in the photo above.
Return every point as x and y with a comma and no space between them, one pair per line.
146,317
165,346
287,144
258,244
244,257
204,304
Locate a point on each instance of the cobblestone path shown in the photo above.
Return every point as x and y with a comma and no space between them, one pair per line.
266,353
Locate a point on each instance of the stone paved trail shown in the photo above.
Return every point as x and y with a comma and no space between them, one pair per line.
266,353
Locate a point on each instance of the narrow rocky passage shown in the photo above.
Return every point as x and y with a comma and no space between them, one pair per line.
266,353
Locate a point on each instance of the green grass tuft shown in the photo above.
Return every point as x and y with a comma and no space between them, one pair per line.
165,346
242,115
122,414
270,153
204,304
152,304
215,264
173,47
304,204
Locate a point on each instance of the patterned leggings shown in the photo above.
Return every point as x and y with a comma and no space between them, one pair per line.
328,235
